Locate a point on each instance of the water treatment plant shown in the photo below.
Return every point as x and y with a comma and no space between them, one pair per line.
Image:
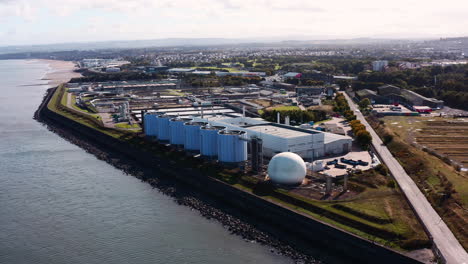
262,141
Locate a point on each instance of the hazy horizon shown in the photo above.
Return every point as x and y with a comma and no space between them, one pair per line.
236,40
25,22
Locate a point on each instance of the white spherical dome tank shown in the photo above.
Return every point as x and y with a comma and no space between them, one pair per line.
287,168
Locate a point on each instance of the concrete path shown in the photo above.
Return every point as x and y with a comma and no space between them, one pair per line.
69,100
251,104
446,243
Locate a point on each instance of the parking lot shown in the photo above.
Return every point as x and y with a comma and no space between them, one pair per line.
354,155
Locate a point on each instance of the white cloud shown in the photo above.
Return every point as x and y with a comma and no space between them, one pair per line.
241,18
22,9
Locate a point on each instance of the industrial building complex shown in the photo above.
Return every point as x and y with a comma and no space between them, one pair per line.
337,147
308,143
390,94
297,143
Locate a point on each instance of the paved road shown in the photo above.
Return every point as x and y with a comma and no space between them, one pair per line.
443,238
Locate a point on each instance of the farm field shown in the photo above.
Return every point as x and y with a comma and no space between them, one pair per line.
447,137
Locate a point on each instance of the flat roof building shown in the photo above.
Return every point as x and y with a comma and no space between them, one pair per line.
309,90
372,96
292,75
307,143
396,94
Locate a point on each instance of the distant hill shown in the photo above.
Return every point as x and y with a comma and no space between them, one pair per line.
186,42
120,44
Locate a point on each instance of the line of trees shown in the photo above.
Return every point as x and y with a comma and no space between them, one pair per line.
341,106
215,81
363,137
296,116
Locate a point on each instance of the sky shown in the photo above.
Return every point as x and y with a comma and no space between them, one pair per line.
28,22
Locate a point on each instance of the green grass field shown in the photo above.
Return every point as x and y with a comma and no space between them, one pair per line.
285,108
127,126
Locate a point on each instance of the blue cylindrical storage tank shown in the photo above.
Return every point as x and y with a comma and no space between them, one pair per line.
151,124
155,116
192,135
232,146
209,140
163,127
177,130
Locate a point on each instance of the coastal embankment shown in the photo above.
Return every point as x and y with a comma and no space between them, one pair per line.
243,213
183,194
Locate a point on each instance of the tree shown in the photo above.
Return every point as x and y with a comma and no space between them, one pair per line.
382,169
364,138
364,103
343,84
351,117
387,138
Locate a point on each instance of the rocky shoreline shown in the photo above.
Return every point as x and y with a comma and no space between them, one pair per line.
230,218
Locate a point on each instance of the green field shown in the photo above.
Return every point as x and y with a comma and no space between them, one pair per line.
285,108
127,126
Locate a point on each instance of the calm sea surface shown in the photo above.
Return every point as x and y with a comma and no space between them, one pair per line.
59,204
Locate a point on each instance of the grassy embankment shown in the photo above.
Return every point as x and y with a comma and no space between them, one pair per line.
445,187
58,104
127,125
378,213
73,100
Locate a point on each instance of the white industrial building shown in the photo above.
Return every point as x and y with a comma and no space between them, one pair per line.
281,138
277,138
310,144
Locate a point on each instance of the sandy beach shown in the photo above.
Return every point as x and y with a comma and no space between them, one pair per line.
61,71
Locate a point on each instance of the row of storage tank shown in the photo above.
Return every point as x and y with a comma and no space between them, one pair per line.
228,146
